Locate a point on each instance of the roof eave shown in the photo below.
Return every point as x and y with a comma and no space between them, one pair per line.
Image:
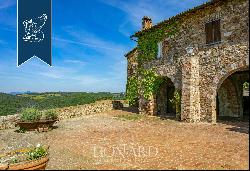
126,55
176,17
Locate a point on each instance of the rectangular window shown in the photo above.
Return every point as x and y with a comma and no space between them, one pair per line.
159,55
213,34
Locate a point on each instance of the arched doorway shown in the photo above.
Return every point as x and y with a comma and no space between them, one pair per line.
164,95
232,97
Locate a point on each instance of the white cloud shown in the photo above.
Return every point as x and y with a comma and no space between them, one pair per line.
103,48
6,3
37,76
99,83
158,10
56,72
92,45
76,62
2,42
83,37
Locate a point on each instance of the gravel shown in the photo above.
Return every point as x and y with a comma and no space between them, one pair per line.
105,141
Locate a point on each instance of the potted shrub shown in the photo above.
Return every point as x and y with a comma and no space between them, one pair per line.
34,158
33,119
50,115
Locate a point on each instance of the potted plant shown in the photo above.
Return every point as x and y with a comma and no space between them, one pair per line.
33,119
34,158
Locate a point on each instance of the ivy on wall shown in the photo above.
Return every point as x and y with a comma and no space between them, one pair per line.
147,81
246,85
147,42
177,102
150,82
132,90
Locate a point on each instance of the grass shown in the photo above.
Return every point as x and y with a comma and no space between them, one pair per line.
130,117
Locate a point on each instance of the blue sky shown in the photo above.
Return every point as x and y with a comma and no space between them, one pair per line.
90,38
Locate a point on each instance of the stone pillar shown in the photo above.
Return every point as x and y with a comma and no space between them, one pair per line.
190,102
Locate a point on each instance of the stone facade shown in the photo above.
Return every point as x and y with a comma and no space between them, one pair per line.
199,69
132,62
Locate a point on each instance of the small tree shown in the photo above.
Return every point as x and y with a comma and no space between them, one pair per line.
246,85
177,102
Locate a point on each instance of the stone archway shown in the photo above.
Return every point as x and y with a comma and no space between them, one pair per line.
228,102
163,104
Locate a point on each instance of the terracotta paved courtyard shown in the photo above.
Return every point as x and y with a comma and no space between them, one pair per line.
105,141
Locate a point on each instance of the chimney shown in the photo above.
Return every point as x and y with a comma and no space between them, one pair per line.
146,23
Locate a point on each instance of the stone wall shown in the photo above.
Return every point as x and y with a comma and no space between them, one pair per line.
7,122
228,100
200,74
132,63
87,109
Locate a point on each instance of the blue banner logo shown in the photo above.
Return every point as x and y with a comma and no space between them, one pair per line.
34,30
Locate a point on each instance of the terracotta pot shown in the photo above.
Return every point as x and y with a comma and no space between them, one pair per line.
41,125
3,166
39,164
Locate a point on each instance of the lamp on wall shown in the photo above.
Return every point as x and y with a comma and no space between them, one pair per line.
190,50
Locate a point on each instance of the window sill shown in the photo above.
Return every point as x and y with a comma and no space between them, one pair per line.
214,43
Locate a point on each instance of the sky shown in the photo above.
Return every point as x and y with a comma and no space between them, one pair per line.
89,40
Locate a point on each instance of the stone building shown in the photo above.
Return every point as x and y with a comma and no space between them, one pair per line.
207,61
132,62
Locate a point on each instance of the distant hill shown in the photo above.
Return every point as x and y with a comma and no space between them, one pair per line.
11,104
15,93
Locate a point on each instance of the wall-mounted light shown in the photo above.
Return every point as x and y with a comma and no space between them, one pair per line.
190,50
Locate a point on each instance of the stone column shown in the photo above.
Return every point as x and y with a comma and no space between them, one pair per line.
190,102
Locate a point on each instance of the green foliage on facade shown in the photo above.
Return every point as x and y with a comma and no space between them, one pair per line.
177,102
147,81
246,85
132,90
150,82
147,43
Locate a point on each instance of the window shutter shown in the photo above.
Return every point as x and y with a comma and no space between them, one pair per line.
217,33
209,32
159,49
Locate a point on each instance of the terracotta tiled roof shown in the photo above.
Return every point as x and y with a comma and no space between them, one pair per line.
209,3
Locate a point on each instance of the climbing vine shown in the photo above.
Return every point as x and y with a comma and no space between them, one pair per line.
147,42
132,90
246,85
177,102
150,82
146,80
